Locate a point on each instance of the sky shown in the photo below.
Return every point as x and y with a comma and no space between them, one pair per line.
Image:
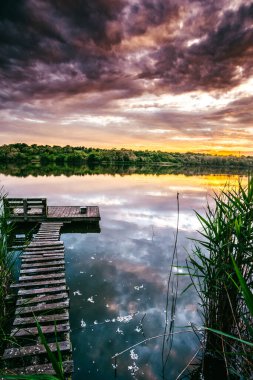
173,75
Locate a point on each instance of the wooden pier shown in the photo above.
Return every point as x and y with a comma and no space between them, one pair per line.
37,210
42,295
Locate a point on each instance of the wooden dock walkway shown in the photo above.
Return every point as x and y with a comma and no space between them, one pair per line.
42,294
37,210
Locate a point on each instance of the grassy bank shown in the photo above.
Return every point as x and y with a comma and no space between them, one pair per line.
6,264
225,249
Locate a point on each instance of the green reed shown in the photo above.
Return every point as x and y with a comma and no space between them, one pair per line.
223,252
7,261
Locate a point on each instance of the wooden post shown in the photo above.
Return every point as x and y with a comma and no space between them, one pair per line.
25,208
44,208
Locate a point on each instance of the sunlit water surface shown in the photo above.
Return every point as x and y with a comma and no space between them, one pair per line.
118,277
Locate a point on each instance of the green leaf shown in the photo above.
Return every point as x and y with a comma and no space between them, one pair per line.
56,366
229,336
248,296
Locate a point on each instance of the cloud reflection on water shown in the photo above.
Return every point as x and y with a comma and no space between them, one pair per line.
134,249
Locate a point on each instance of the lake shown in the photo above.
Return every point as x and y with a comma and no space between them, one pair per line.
118,277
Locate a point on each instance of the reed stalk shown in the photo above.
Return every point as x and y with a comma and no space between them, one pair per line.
6,264
226,243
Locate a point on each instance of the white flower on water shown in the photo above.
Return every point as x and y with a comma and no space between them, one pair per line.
139,287
95,322
125,319
133,368
91,299
83,324
119,331
137,329
133,355
77,293
114,366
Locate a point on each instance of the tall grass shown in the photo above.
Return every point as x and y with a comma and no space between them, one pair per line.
6,264
225,249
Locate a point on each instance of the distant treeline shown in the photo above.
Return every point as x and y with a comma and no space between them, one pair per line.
68,155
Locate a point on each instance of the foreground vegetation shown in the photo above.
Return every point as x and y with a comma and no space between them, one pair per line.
45,154
6,264
221,271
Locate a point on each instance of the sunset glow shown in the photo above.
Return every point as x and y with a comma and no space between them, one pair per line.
145,74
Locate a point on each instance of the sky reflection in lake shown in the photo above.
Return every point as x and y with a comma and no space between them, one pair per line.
118,277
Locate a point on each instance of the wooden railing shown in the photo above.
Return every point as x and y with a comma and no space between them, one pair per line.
25,207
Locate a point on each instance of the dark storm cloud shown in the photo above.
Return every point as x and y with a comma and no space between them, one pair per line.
63,60
211,61
50,48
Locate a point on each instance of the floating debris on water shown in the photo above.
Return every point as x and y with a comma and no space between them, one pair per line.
139,287
133,368
119,331
133,355
77,293
90,299
125,319
83,324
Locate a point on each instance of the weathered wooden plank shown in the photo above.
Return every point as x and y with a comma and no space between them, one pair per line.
42,308
54,276
38,349
44,239
43,264
51,230
46,234
44,244
26,331
26,292
27,259
68,368
44,248
35,284
40,270
46,231
63,316
54,215
48,238
51,223
31,254
41,298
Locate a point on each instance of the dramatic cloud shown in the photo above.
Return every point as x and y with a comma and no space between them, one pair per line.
173,74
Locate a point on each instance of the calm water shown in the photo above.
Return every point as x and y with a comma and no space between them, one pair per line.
118,277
